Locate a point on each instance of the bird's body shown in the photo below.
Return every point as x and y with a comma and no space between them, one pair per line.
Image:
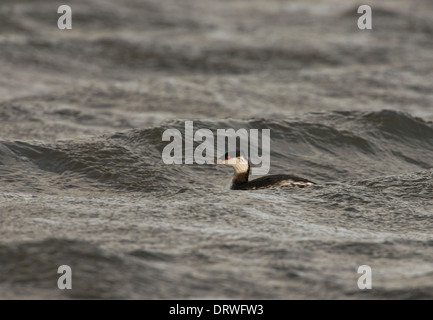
242,169
273,181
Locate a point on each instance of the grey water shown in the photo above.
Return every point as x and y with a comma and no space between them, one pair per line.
82,181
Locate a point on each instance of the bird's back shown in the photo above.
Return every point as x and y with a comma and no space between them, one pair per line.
274,181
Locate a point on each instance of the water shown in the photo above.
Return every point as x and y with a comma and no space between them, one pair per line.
82,181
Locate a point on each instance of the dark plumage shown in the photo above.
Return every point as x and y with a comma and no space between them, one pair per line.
242,171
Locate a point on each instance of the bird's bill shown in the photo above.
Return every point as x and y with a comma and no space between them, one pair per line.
220,161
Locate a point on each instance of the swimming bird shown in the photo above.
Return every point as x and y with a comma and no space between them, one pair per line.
242,170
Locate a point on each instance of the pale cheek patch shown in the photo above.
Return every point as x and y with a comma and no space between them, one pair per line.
231,161
241,167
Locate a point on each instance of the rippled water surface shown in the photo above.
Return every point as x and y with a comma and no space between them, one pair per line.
82,181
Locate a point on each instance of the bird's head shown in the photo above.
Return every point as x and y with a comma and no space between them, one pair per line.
235,160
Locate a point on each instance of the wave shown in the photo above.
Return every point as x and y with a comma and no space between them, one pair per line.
29,270
336,146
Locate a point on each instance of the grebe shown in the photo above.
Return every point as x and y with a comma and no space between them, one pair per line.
242,171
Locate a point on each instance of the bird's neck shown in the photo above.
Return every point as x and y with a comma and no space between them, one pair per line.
242,171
